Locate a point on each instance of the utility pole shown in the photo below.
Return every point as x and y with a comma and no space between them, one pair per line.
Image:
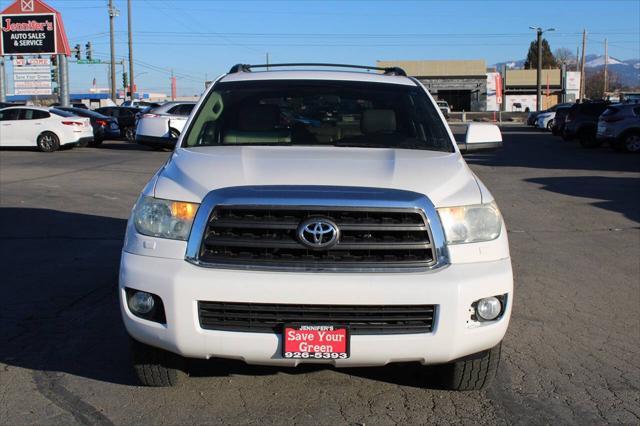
113,12
3,84
131,78
584,45
173,86
539,32
577,58
267,54
539,73
606,64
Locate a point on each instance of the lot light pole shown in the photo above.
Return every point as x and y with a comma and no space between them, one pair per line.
539,32
132,80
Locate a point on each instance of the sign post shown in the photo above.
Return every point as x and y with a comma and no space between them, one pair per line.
3,84
31,27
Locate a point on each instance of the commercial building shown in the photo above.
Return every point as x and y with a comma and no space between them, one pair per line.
468,85
463,84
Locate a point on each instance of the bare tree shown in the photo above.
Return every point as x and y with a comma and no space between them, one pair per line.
594,84
565,56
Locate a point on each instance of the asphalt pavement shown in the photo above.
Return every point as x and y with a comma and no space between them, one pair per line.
571,355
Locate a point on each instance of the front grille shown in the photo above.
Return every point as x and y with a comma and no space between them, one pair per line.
361,319
266,236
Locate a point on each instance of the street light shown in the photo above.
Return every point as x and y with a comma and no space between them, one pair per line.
539,31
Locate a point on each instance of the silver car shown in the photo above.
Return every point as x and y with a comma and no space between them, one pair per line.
620,126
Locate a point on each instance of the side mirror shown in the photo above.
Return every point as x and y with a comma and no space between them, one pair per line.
481,137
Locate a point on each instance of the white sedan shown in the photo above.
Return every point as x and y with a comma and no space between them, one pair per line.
45,128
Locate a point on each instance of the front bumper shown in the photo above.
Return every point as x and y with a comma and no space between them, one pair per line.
181,285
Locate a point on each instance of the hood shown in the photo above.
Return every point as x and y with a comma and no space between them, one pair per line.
191,173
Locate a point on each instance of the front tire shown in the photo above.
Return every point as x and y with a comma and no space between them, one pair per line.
550,125
474,372
156,367
48,142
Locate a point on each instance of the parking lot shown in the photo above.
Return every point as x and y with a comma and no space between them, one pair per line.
571,355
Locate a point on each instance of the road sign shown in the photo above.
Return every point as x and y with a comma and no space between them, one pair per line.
90,62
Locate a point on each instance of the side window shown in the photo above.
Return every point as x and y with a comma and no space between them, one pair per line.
38,115
186,109
176,110
11,114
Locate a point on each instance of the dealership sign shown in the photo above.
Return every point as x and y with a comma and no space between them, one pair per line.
32,76
29,34
31,27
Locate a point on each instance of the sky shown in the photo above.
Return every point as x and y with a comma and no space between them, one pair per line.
200,39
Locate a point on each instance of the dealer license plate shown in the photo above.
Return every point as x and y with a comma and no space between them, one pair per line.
315,342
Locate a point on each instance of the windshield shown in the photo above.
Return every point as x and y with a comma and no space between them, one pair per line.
301,112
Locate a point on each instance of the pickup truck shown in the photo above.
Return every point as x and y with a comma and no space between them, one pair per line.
318,216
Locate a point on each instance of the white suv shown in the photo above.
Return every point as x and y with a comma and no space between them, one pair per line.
318,217
161,126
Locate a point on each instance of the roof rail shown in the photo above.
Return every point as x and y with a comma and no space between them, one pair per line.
247,68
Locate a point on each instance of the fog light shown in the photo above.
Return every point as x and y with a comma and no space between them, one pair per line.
141,302
488,308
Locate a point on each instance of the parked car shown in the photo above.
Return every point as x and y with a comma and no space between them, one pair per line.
104,127
126,117
545,120
444,107
619,125
48,129
361,242
78,105
533,115
558,121
136,103
581,123
160,127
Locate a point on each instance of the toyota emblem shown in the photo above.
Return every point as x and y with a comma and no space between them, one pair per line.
318,233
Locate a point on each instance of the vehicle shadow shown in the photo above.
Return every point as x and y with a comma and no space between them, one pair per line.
618,194
532,148
120,145
59,307
60,313
404,374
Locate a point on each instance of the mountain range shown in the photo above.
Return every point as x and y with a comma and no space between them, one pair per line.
627,72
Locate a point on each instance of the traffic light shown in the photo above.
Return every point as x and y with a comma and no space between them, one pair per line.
89,51
77,52
125,80
54,74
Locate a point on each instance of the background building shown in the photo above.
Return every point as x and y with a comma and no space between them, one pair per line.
467,85
463,84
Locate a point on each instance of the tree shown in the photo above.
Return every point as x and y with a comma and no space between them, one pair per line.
565,56
594,84
548,61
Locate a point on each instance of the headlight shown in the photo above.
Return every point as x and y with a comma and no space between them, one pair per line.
164,218
471,224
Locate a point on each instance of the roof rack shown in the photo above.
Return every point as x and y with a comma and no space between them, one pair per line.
247,68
